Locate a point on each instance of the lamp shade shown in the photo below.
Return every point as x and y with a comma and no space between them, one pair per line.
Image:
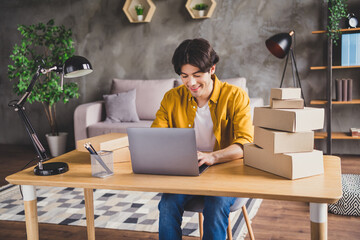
279,44
77,66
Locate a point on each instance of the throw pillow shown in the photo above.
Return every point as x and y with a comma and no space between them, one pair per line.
149,94
121,107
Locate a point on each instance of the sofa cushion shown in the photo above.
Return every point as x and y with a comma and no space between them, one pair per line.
120,107
149,94
101,128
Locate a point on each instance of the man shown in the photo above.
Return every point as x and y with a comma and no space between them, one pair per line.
220,115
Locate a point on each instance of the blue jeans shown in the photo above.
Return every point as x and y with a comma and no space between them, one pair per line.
216,213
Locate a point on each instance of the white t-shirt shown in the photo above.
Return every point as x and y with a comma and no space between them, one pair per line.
203,125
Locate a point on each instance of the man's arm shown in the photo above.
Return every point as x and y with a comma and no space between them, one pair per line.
161,120
232,152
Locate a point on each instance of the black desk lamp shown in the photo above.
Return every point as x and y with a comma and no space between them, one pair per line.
75,66
280,46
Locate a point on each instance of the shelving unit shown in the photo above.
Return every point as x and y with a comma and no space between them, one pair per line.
328,103
129,10
333,67
323,102
194,13
335,135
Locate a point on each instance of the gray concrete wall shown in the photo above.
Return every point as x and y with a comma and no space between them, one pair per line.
117,48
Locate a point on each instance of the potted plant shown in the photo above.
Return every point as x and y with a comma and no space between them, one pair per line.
201,7
337,11
53,45
139,12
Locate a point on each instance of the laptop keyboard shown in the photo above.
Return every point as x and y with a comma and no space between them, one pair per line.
203,168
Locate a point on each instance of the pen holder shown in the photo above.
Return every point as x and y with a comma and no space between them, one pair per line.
102,164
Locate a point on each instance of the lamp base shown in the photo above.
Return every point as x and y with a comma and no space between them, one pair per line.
52,168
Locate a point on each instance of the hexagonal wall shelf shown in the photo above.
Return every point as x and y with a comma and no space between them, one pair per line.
129,9
190,4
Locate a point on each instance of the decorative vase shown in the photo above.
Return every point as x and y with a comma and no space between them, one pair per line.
201,13
140,17
57,144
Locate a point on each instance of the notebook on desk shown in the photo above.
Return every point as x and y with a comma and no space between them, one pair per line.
167,151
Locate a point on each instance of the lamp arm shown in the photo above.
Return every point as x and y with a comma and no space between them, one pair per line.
18,107
40,150
58,69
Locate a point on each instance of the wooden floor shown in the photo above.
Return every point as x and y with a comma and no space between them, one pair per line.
274,220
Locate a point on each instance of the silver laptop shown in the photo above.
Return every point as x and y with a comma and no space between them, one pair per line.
168,151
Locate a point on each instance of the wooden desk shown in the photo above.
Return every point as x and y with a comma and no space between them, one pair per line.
228,179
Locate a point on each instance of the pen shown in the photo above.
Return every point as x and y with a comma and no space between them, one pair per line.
93,152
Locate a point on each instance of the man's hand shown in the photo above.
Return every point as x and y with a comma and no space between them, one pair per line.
230,153
205,158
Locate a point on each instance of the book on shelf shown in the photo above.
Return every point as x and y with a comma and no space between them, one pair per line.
338,89
355,132
350,49
343,89
350,87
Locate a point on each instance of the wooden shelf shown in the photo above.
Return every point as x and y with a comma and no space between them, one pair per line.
129,10
341,30
323,102
336,135
195,14
333,67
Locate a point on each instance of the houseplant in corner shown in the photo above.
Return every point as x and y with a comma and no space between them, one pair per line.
51,45
139,12
201,7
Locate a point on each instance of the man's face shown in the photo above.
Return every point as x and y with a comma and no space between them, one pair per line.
199,83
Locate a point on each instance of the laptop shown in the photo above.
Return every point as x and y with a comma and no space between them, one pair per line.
165,151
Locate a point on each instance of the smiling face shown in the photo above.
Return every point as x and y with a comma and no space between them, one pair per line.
199,83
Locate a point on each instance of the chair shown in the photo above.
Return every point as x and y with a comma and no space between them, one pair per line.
197,205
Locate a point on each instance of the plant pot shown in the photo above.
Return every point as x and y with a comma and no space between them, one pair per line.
57,144
201,13
140,17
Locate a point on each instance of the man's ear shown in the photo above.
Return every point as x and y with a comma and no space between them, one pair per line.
212,69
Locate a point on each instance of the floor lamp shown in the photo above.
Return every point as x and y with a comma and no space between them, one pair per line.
280,46
75,66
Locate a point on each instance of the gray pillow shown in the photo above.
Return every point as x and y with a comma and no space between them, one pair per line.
121,107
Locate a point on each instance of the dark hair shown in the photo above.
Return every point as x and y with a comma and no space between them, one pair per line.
197,52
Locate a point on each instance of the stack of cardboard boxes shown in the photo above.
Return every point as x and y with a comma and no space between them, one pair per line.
118,143
284,137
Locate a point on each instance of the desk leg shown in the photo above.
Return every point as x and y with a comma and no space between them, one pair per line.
318,218
89,207
30,207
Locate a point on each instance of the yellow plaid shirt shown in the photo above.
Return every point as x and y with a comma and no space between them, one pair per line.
230,112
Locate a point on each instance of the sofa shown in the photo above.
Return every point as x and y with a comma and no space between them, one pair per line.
91,119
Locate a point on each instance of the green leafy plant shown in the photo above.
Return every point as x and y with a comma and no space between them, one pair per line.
139,9
200,6
337,11
54,45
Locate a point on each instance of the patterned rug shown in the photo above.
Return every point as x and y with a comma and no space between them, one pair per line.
123,210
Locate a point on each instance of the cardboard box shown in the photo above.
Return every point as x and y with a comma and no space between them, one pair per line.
288,103
121,155
291,120
285,93
107,142
283,142
288,165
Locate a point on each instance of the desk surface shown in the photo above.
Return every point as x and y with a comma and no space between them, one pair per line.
227,179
